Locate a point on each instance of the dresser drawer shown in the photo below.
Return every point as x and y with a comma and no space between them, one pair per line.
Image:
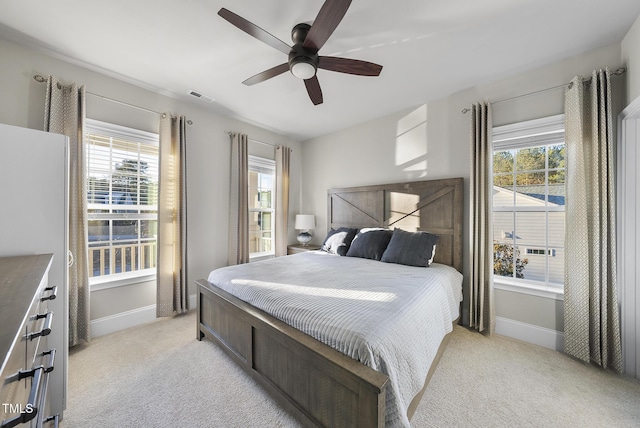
28,361
14,392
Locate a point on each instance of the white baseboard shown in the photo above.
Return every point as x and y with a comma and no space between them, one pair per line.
541,336
132,318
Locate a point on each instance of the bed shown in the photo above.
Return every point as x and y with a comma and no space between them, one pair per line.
331,375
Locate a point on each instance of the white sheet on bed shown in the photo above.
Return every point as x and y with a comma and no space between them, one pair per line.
388,316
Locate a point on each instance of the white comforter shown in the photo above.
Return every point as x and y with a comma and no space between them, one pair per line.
390,317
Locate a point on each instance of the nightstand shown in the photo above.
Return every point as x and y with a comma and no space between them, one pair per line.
297,248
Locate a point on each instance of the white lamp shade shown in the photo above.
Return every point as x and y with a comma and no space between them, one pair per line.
305,222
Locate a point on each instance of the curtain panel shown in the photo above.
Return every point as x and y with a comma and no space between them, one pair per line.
283,157
172,283
591,318
65,114
239,200
481,307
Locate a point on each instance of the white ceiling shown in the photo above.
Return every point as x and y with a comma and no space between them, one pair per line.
429,49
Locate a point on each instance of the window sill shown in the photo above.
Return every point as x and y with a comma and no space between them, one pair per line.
531,288
120,280
256,257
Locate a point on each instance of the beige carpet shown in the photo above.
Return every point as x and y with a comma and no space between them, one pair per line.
159,375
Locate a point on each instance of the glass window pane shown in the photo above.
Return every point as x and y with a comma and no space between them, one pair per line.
125,256
98,190
99,260
530,159
557,189
253,190
503,195
503,227
98,231
148,229
556,266
254,232
260,233
125,230
556,156
531,189
503,259
503,234
265,222
148,255
503,180
503,161
556,229
266,181
265,198
531,244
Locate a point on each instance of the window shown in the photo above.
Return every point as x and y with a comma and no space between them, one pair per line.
262,177
122,201
528,202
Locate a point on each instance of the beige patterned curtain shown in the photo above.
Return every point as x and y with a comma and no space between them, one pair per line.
172,288
239,201
65,114
283,156
591,319
481,308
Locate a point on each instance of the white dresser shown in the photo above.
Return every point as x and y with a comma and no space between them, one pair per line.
34,171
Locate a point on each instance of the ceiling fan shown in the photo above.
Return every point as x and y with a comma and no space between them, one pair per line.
304,60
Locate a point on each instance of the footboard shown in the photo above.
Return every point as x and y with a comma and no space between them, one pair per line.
314,382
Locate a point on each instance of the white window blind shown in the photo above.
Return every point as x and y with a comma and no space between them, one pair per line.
122,193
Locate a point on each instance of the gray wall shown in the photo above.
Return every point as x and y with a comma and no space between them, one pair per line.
208,155
431,141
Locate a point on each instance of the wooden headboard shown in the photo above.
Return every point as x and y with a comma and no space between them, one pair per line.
435,206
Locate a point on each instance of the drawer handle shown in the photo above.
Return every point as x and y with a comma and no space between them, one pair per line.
52,359
30,410
52,296
46,328
54,418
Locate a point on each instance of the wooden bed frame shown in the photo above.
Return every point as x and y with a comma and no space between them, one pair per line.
315,383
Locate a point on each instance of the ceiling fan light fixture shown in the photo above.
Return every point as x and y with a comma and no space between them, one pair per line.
307,40
303,69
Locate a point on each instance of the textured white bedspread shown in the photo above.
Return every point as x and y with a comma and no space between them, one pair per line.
390,317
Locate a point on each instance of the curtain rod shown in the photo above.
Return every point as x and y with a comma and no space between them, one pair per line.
230,133
39,78
618,72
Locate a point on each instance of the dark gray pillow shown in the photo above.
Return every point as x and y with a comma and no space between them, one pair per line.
370,243
410,248
339,240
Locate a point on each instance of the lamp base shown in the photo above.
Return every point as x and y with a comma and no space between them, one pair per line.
304,238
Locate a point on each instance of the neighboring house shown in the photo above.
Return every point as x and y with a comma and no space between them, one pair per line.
527,239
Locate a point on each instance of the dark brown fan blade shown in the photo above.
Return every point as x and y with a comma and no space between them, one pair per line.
313,89
350,66
255,31
267,74
330,15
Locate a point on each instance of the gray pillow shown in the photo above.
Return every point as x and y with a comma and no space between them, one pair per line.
410,248
370,243
339,240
